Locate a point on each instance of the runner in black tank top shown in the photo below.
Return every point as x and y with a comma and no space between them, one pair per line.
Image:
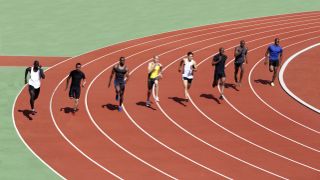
240,55
121,73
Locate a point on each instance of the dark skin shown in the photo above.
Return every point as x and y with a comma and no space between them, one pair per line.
119,91
272,68
36,66
237,52
221,52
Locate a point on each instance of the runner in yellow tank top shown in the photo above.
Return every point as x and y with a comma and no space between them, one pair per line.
154,74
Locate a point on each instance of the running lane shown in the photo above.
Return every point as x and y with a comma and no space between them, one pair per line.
54,146
301,76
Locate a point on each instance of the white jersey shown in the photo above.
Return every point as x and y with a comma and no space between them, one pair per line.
188,68
35,78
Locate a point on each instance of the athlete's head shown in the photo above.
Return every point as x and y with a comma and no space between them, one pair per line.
156,59
242,43
190,55
78,66
277,41
221,50
122,60
36,64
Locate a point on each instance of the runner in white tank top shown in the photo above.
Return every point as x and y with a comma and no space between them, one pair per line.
189,67
36,73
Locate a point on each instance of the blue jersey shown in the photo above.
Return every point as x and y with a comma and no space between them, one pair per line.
274,52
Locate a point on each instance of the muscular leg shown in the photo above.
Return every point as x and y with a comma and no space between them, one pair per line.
222,82
241,73
36,92
32,97
236,69
275,73
156,89
185,85
76,102
117,88
121,93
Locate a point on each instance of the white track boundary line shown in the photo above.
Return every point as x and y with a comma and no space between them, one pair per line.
283,84
240,136
14,104
170,51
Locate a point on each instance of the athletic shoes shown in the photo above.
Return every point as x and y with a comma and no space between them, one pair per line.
272,84
148,103
157,99
221,97
117,97
33,111
120,108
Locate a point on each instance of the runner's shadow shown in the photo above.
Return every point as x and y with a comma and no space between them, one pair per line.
262,81
111,107
178,100
230,85
26,113
210,96
67,110
141,103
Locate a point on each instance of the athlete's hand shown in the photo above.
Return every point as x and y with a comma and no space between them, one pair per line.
25,81
109,84
265,62
83,85
179,70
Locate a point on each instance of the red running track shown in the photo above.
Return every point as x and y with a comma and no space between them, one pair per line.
174,139
302,80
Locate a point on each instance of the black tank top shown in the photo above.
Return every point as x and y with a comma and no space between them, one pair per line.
120,72
240,58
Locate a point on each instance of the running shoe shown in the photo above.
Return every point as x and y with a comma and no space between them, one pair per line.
272,84
221,97
120,108
157,99
148,103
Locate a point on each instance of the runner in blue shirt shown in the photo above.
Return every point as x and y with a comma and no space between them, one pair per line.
274,54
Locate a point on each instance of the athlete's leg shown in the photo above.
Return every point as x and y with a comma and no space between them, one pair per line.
236,69
36,92
156,89
241,73
32,96
222,82
185,85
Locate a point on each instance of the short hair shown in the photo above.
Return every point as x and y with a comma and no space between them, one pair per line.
78,64
36,62
190,53
122,58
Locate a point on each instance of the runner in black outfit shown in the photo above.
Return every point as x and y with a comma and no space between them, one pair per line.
121,72
240,55
219,61
74,93
36,74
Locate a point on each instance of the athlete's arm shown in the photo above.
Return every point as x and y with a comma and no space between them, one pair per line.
111,76
214,62
42,73
127,75
68,79
280,59
180,65
151,67
26,74
236,52
83,80
266,56
246,57
194,66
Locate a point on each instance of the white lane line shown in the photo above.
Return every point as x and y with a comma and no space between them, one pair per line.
270,106
175,49
283,84
240,136
114,64
14,104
